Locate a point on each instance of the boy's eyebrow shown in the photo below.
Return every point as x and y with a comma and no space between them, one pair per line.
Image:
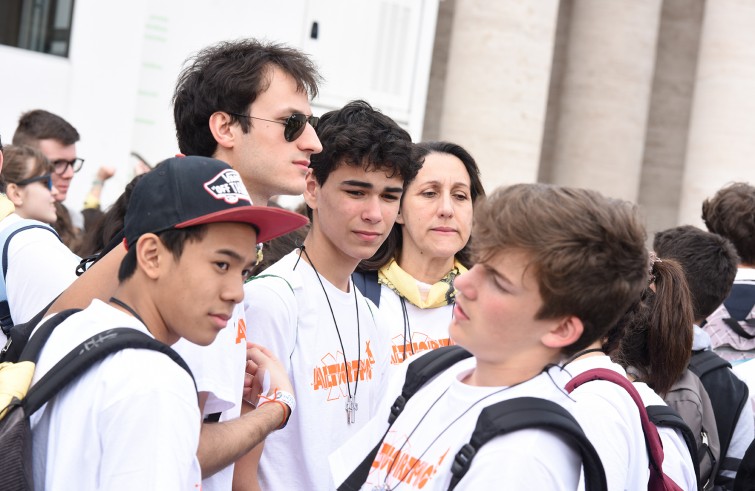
368,185
359,184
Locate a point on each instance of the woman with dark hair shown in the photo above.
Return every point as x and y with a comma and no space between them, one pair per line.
425,251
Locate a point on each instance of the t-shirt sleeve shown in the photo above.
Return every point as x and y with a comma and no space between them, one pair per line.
40,267
271,316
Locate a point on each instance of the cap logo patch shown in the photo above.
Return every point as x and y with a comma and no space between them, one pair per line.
228,186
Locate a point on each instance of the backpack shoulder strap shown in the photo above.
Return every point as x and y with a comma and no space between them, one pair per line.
418,373
666,417
422,370
367,282
11,230
652,439
705,361
37,341
6,322
523,413
83,356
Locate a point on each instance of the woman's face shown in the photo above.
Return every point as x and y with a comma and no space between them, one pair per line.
36,200
436,211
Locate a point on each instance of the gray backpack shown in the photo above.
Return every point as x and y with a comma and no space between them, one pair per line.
690,399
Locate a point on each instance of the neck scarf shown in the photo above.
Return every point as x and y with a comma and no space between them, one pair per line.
6,207
440,294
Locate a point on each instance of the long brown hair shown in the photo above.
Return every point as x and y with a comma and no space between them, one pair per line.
654,338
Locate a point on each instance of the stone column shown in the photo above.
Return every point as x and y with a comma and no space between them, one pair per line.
721,143
497,85
605,96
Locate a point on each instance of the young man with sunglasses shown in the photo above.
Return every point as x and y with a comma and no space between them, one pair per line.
36,267
246,103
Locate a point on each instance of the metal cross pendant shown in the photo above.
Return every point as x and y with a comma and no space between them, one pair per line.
351,410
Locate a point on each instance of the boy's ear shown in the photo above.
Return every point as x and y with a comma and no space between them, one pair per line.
223,129
149,252
567,332
311,190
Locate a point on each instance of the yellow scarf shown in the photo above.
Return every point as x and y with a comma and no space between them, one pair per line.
6,207
440,294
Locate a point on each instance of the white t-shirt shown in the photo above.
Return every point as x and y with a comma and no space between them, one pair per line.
130,422
219,370
441,417
746,372
677,461
611,420
287,311
40,267
425,329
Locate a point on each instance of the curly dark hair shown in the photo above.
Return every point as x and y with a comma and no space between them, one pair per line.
359,135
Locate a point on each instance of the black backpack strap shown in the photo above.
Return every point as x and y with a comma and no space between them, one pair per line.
35,343
367,283
418,373
19,335
523,413
728,396
422,370
705,361
82,357
737,328
666,417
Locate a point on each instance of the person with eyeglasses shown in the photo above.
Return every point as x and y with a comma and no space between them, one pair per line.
270,145
37,265
56,138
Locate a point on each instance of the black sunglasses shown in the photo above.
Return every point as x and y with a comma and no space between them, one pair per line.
61,165
46,180
294,124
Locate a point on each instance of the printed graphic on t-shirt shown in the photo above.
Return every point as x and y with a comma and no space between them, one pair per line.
240,330
394,464
330,376
420,342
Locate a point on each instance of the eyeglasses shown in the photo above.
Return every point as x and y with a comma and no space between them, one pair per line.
46,180
295,124
61,165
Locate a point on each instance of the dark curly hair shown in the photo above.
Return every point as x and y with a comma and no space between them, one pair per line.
359,135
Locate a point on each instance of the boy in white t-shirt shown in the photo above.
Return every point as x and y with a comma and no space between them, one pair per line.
306,310
132,420
555,268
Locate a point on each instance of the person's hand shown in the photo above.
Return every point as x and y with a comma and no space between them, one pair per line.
105,172
261,361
